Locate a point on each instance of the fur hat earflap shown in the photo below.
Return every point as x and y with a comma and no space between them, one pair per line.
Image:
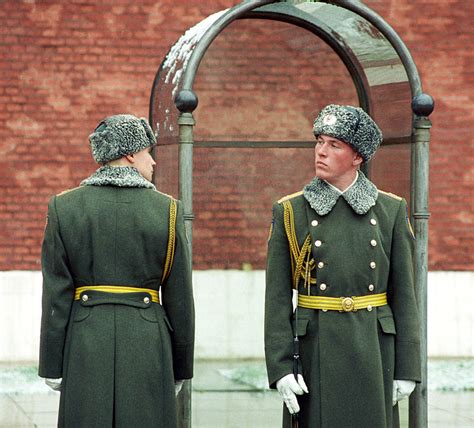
351,125
120,135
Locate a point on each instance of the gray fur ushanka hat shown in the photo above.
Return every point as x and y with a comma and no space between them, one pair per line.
120,135
351,125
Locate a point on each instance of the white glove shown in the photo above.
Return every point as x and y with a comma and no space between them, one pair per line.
288,387
54,384
178,384
402,389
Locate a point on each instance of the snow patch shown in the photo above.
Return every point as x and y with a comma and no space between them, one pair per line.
178,57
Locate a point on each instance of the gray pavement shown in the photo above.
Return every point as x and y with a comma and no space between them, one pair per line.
220,400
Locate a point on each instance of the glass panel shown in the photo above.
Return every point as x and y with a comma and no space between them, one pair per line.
374,52
233,194
264,80
390,169
166,170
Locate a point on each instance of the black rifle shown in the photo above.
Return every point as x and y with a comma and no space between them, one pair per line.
296,357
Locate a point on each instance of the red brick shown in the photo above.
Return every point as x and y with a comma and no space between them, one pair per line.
62,70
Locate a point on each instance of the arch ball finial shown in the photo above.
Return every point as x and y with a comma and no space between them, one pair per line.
186,101
422,105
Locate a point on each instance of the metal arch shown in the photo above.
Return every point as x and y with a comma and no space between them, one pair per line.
246,8
355,6
419,179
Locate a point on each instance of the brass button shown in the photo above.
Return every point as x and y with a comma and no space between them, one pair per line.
85,297
371,287
320,265
146,300
372,265
373,222
373,243
314,223
369,308
323,287
318,243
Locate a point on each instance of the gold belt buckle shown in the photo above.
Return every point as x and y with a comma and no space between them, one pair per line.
348,304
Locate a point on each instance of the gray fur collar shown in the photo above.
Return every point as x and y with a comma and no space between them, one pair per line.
120,176
322,197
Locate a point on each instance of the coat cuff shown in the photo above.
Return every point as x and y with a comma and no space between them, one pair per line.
408,362
183,359
276,375
51,357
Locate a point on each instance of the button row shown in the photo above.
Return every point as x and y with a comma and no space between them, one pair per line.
318,243
373,222
324,286
85,298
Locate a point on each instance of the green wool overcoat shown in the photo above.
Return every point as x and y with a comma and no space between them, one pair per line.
361,244
118,354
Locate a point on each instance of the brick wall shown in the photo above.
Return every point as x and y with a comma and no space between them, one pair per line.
66,65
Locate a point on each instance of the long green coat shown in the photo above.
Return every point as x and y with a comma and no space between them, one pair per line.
118,355
348,359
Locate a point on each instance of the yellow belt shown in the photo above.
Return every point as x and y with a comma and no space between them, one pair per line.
117,289
342,304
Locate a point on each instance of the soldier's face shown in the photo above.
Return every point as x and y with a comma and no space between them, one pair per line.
335,161
144,162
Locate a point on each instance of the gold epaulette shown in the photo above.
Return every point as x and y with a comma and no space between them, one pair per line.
68,190
392,195
287,197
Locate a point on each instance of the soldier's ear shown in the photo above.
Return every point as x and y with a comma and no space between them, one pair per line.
130,158
357,160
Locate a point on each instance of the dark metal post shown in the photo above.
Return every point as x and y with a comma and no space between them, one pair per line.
186,102
422,106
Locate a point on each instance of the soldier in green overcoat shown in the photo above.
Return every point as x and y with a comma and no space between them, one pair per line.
117,329
340,253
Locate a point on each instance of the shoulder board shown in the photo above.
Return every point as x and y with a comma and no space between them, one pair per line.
166,194
392,195
287,197
68,190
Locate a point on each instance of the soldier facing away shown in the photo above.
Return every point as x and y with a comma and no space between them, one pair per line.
346,247
116,350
